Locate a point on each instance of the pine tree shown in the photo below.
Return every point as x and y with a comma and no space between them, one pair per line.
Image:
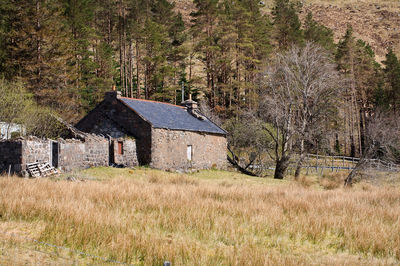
345,59
318,33
203,30
356,61
287,24
392,77
7,10
39,48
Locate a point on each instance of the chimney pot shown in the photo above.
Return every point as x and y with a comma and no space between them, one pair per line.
112,95
190,104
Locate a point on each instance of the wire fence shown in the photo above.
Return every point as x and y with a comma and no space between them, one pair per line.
320,163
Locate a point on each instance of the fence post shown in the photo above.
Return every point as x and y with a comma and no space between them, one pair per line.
343,162
333,162
316,164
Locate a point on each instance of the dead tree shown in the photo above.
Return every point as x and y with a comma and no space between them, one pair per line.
248,143
299,93
382,141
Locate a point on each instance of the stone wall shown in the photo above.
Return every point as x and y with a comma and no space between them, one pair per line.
107,127
18,153
36,150
10,155
170,147
128,158
111,112
97,152
71,154
76,154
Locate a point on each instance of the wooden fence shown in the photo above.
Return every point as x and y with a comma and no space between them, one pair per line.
320,163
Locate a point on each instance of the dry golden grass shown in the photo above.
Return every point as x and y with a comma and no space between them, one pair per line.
208,218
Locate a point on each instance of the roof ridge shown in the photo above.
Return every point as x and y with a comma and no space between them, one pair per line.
144,100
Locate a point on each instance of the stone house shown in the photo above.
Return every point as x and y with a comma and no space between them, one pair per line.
167,136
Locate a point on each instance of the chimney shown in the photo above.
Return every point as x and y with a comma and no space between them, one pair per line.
192,108
190,104
112,95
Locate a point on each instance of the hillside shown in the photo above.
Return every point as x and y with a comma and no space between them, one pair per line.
374,21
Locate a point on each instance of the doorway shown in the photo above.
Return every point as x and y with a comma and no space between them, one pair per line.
111,159
54,154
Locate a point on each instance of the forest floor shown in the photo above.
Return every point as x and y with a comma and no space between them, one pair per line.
146,217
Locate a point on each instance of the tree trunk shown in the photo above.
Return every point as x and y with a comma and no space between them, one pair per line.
281,167
137,70
130,69
121,52
126,70
38,45
300,161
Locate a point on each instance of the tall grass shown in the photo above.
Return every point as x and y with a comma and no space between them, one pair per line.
194,221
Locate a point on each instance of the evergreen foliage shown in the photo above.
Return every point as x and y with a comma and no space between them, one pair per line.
68,53
392,78
287,23
318,33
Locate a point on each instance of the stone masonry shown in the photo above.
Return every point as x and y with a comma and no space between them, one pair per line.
15,154
68,154
170,147
11,156
128,158
202,146
112,118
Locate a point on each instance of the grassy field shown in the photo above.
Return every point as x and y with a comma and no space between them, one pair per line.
146,217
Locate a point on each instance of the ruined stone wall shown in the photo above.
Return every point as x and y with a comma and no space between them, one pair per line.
169,150
128,157
71,154
18,153
10,155
97,152
36,150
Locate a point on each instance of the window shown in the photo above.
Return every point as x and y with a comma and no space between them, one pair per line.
189,152
120,147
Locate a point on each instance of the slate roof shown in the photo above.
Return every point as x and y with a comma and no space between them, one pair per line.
169,116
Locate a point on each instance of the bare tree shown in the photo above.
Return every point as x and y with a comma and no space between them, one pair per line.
248,143
246,139
382,141
299,95
207,110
